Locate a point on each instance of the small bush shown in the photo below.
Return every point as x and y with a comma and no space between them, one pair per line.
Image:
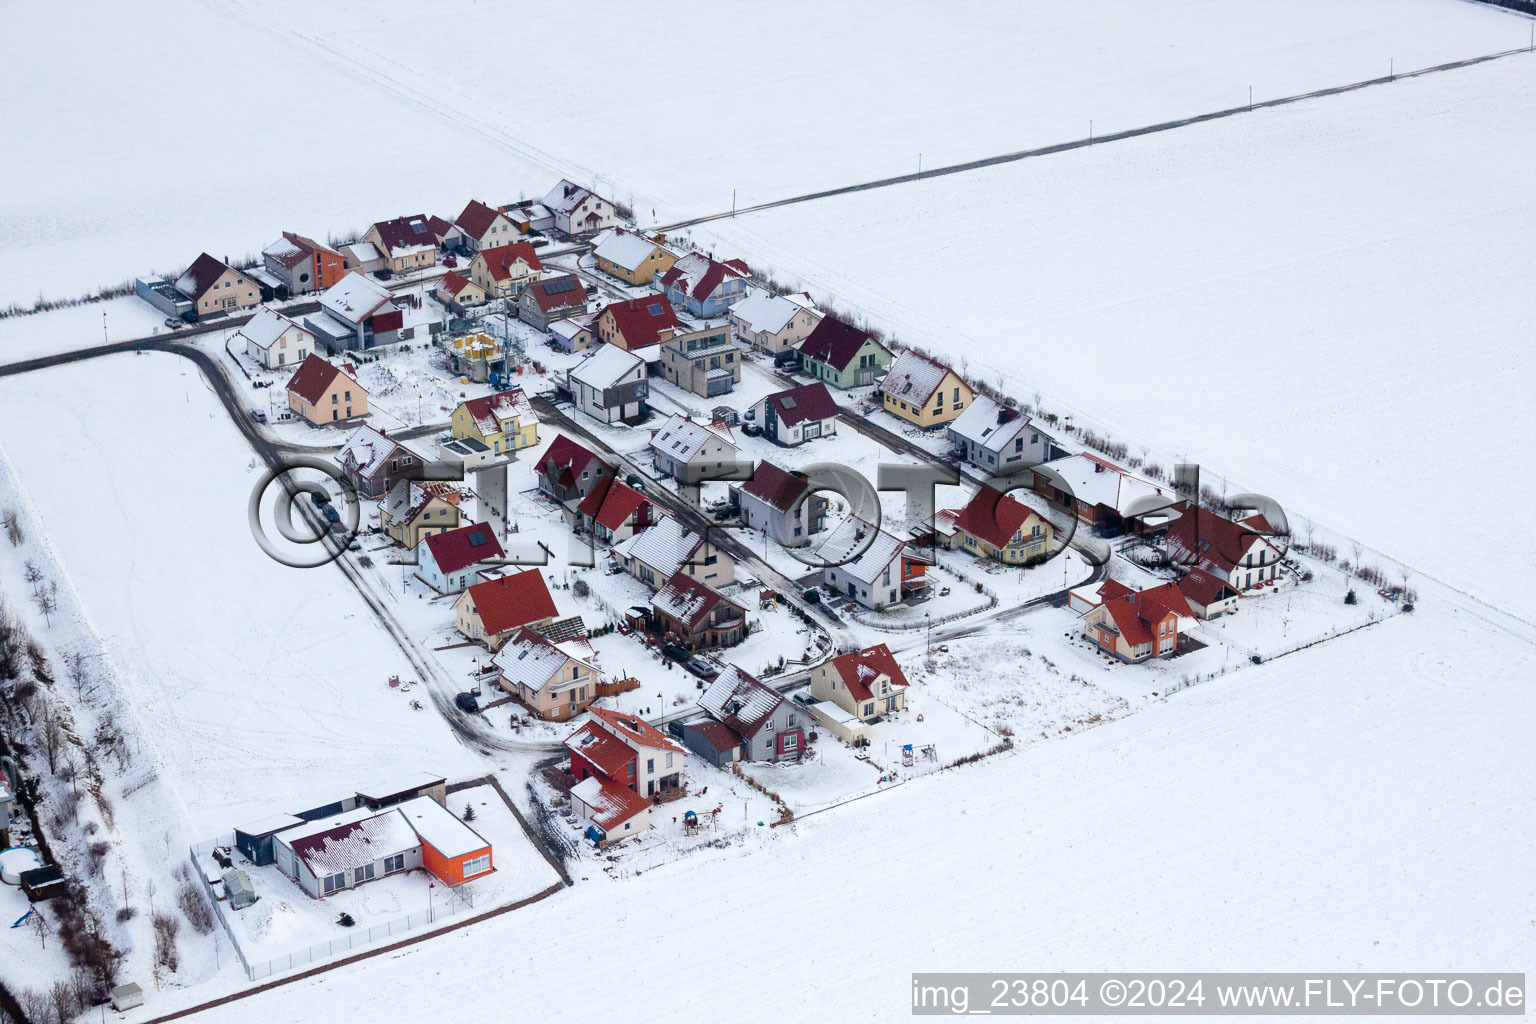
345,920
1350,597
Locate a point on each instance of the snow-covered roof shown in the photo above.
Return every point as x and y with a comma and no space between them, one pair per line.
850,536
365,451
532,661
740,701
1097,482
441,828
624,248
989,424
609,803
762,310
913,378
566,196
489,410
265,826
569,326
363,252
394,785
354,297
263,329
286,251
605,367
664,547
687,600
407,498
682,439
350,840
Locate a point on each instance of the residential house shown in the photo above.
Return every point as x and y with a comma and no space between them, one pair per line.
781,504
356,312
704,362
630,257
543,302
213,286
341,851
503,422
502,271
458,292
372,461
303,265
405,243
871,567
775,324
998,440
1096,491
446,235
544,678
579,211
613,511
798,415
610,385
1240,553
770,727
1089,596
997,526
923,392
490,612
697,614
573,333
363,257
448,562
529,215
416,509
703,286
622,764
275,341
1207,594
687,451
569,471
638,325
866,684
841,355
321,393
1138,625
656,554
481,227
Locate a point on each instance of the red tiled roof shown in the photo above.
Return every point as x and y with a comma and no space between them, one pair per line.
774,486
458,549
454,282
302,251
439,228
1136,614
858,669
607,752
405,232
717,734
1212,541
1111,589
1204,588
689,601
622,803
313,377
477,218
636,729
568,299
499,258
993,516
564,456
204,271
512,601
638,324
807,402
835,342
610,503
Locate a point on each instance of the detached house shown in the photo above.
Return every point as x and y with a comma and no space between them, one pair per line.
481,227
613,512
579,211
697,614
621,764
842,355
490,612
275,341
458,292
503,422
1096,491
356,312
765,725
638,325
704,287
213,286
573,333
630,257
666,548
798,415
502,271
405,243
544,678
447,562
416,509
568,471
1238,553
1136,626
871,567
923,392
363,257
554,298
704,362
302,264
685,450
998,440
867,684
996,525
775,324
781,505
610,385
372,461
1207,594
322,393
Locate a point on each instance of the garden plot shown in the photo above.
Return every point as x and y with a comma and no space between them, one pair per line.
834,774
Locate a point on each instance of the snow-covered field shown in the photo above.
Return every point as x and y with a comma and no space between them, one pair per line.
193,146
1327,302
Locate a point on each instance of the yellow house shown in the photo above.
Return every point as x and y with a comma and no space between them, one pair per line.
923,392
455,288
416,509
215,287
545,679
406,243
633,259
503,422
503,270
322,393
996,526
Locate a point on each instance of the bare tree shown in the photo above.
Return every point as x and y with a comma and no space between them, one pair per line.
32,574
47,601
13,527
79,673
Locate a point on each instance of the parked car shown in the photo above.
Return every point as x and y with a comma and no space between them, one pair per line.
259,415
633,480
467,703
172,322
812,595
702,667
331,515
319,498
676,652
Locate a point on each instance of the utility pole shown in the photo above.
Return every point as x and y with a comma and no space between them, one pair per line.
919,175
1090,131
1250,99
1392,67
733,202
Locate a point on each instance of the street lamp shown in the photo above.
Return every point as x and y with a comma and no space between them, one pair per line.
928,617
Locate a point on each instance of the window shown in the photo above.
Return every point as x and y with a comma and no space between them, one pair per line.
335,399
792,741
650,766
629,770
669,759
362,874
334,882
869,709
477,865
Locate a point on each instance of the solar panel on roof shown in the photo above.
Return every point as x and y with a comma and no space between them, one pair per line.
788,403
476,539
559,286
654,309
